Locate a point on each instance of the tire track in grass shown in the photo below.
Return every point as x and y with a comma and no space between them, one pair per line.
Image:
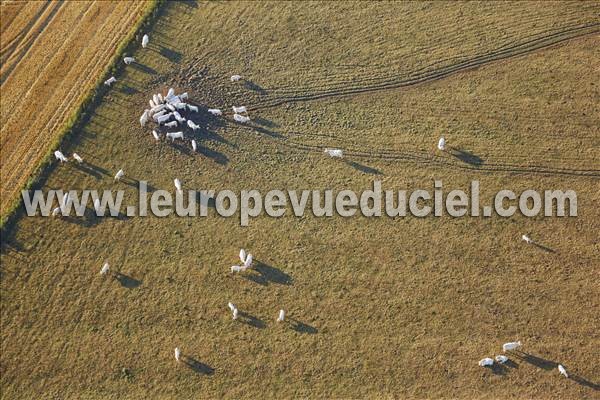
441,73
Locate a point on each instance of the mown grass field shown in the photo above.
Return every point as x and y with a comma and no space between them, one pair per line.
377,307
52,55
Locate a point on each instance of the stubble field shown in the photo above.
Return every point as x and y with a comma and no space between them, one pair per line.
52,54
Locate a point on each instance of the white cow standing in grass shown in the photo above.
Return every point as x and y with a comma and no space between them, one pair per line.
442,144
60,156
119,175
128,60
215,111
77,158
337,153
110,81
145,40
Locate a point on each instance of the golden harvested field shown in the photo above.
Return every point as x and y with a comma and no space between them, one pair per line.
52,53
377,307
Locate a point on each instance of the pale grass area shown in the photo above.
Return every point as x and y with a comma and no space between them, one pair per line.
376,308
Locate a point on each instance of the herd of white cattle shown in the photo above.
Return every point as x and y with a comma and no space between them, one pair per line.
501,359
165,111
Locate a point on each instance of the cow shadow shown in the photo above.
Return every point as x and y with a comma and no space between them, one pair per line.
267,273
250,320
197,366
254,87
363,168
465,156
301,327
144,68
172,55
127,281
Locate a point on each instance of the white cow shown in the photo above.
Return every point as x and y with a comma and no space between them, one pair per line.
242,255
164,118
174,135
527,239
183,96
180,106
335,153
152,105
511,346
194,145
235,78
171,107
501,359
442,144
281,316
77,158
215,111
177,183
128,60
105,268
563,371
156,99
240,118
233,309
177,354
192,125
60,156
155,134
119,175
192,108
240,109
160,98
486,362
110,81
170,92
145,41
144,117
172,124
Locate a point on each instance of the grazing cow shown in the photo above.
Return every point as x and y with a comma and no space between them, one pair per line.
243,255
335,153
240,109
144,117
192,108
442,144
110,81
194,145
501,359
281,316
563,371
240,118
145,40
60,156
172,124
170,92
183,96
77,158
486,362
164,118
192,125
235,78
511,346
527,239
155,134
177,354
105,268
128,60
175,135
156,99
119,175
215,111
